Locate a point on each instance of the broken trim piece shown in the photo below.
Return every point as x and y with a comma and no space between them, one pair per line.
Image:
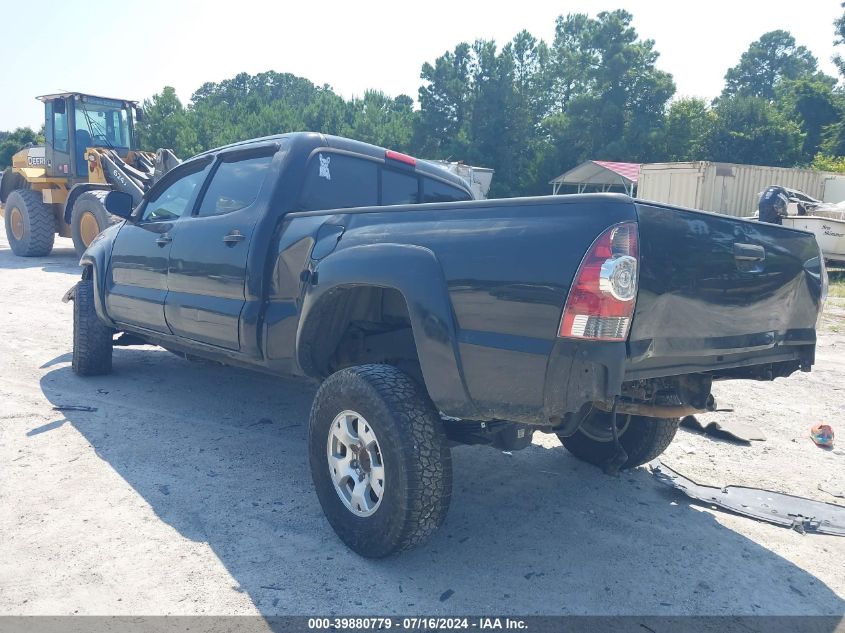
800,514
725,428
70,295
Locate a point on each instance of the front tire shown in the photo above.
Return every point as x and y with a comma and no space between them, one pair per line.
379,459
642,438
92,339
30,224
88,219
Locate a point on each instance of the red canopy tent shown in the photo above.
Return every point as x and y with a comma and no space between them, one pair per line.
599,175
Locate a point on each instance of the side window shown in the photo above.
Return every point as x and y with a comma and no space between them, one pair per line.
173,201
235,185
60,131
48,122
399,188
336,181
436,191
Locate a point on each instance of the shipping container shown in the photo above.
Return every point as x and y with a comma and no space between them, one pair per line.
729,188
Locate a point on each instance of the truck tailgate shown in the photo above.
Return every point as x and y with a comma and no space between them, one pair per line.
717,291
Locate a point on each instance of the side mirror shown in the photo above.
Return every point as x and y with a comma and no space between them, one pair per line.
120,204
139,115
59,106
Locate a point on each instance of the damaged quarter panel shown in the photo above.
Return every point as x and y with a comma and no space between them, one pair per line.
507,265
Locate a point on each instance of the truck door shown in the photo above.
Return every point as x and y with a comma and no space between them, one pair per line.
137,279
208,260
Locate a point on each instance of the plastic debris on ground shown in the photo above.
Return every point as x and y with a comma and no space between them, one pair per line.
725,428
800,514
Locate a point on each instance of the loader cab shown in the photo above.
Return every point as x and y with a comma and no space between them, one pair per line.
74,122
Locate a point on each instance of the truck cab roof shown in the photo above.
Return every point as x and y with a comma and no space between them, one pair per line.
317,140
64,95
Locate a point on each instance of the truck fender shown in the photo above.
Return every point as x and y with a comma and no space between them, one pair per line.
94,263
75,192
416,274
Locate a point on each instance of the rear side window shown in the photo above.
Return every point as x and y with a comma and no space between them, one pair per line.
436,191
336,181
399,188
235,185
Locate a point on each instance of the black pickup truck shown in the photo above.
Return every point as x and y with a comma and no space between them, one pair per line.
433,319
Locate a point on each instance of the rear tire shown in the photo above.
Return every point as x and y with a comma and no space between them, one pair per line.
92,339
30,224
642,438
387,410
89,218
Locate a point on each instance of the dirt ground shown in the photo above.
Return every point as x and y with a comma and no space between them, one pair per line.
187,492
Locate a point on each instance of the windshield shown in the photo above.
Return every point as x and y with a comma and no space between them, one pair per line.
106,123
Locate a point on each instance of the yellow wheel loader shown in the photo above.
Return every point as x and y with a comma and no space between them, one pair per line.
60,187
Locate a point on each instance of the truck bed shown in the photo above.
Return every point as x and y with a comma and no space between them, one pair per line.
706,303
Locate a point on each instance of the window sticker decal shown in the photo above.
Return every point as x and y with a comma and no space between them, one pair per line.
324,167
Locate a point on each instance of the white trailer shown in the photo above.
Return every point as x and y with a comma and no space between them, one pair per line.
730,188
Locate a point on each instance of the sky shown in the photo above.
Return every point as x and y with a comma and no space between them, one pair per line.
132,50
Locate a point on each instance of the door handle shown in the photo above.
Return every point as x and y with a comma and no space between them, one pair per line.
749,252
163,240
235,237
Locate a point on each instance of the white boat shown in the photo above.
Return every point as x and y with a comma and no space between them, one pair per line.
829,232
825,220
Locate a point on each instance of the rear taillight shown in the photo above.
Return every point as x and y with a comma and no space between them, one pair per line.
601,300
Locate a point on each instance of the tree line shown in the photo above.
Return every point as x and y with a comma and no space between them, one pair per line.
532,109
11,142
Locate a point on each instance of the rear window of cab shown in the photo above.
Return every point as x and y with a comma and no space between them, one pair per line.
341,181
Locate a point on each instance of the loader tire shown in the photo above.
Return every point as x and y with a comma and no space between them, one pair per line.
642,438
30,224
89,218
92,339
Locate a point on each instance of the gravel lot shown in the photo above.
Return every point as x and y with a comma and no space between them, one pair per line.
187,492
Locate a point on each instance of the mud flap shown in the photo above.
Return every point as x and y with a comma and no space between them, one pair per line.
70,295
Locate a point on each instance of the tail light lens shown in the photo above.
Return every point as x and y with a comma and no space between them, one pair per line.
601,300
